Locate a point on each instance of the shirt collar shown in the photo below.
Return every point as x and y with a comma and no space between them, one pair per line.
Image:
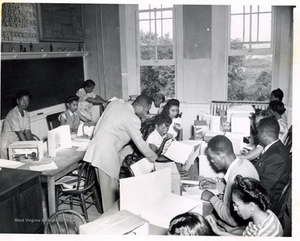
230,168
268,146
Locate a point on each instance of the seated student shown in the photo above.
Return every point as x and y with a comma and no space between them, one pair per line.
221,155
87,98
277,108
251,201
189,224
72,116
255,152
160,135
172,109
276,95
159,101
16,126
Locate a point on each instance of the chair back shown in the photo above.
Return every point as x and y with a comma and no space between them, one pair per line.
64,222
288,140
86,177
282,202
52,121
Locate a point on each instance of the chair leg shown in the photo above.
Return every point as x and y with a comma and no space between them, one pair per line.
71,201
97,198
83,206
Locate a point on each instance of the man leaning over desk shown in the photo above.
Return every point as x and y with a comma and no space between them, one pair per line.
120,123
221,155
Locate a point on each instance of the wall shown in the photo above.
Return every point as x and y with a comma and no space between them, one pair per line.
102,39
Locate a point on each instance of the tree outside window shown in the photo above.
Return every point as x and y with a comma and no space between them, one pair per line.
250,53
156,50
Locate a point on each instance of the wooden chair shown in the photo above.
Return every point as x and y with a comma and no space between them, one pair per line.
52,121
64,222
85,194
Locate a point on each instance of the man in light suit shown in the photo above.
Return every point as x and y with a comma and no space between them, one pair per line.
120,123
273,166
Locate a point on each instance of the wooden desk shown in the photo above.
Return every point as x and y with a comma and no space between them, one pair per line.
66,161
20,201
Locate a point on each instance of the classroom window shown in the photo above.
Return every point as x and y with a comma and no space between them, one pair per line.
250,53
156,59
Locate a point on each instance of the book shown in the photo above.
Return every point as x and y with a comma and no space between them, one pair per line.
183,152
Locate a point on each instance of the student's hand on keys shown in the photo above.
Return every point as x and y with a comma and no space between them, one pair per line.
207,195
207,184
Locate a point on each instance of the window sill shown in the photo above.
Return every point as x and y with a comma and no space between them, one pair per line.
41,55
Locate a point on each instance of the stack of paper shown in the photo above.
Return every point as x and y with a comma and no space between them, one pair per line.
10,163
119,223
141,167
184,152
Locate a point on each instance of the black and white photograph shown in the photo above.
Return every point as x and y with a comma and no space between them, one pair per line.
149,118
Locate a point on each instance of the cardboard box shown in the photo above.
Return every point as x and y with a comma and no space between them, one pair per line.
26,151
150,197
240,123
175,175
120,223
58,139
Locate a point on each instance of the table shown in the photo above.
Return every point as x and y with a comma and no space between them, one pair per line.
66,161
20,201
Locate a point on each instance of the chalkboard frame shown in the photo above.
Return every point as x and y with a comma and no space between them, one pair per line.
53,38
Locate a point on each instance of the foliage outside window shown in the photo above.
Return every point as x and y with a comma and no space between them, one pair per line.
250,53
156,50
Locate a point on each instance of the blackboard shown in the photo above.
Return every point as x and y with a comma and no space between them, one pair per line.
50,81
61,22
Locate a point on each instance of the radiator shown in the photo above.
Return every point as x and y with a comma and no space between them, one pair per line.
224,105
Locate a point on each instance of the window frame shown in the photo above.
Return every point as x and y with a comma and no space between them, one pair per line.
154,62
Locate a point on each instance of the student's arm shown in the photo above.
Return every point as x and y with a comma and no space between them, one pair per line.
62,119
253,154
216,229
28,135
82,117
160,149
21,135
96,101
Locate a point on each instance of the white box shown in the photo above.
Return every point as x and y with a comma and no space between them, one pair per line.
240,123
175,175
239,109
26,151
150,196
120,223
58,139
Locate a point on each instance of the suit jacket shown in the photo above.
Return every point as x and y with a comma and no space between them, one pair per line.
116,127
274,169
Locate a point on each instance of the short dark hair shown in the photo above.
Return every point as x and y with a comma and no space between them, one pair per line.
250,190
162,119
169,104
160,96
270,126
277,106
189,224
220,144
72,98
143,100
278,93
89,83
22,93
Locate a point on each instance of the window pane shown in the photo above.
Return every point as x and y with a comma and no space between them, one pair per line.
236,9
254,28
265,8
237,27
265,27
249,77
143,6
247,28
165,52
143,15
156,79
168,14
147,52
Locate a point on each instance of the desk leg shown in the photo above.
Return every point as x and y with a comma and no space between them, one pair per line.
51,195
